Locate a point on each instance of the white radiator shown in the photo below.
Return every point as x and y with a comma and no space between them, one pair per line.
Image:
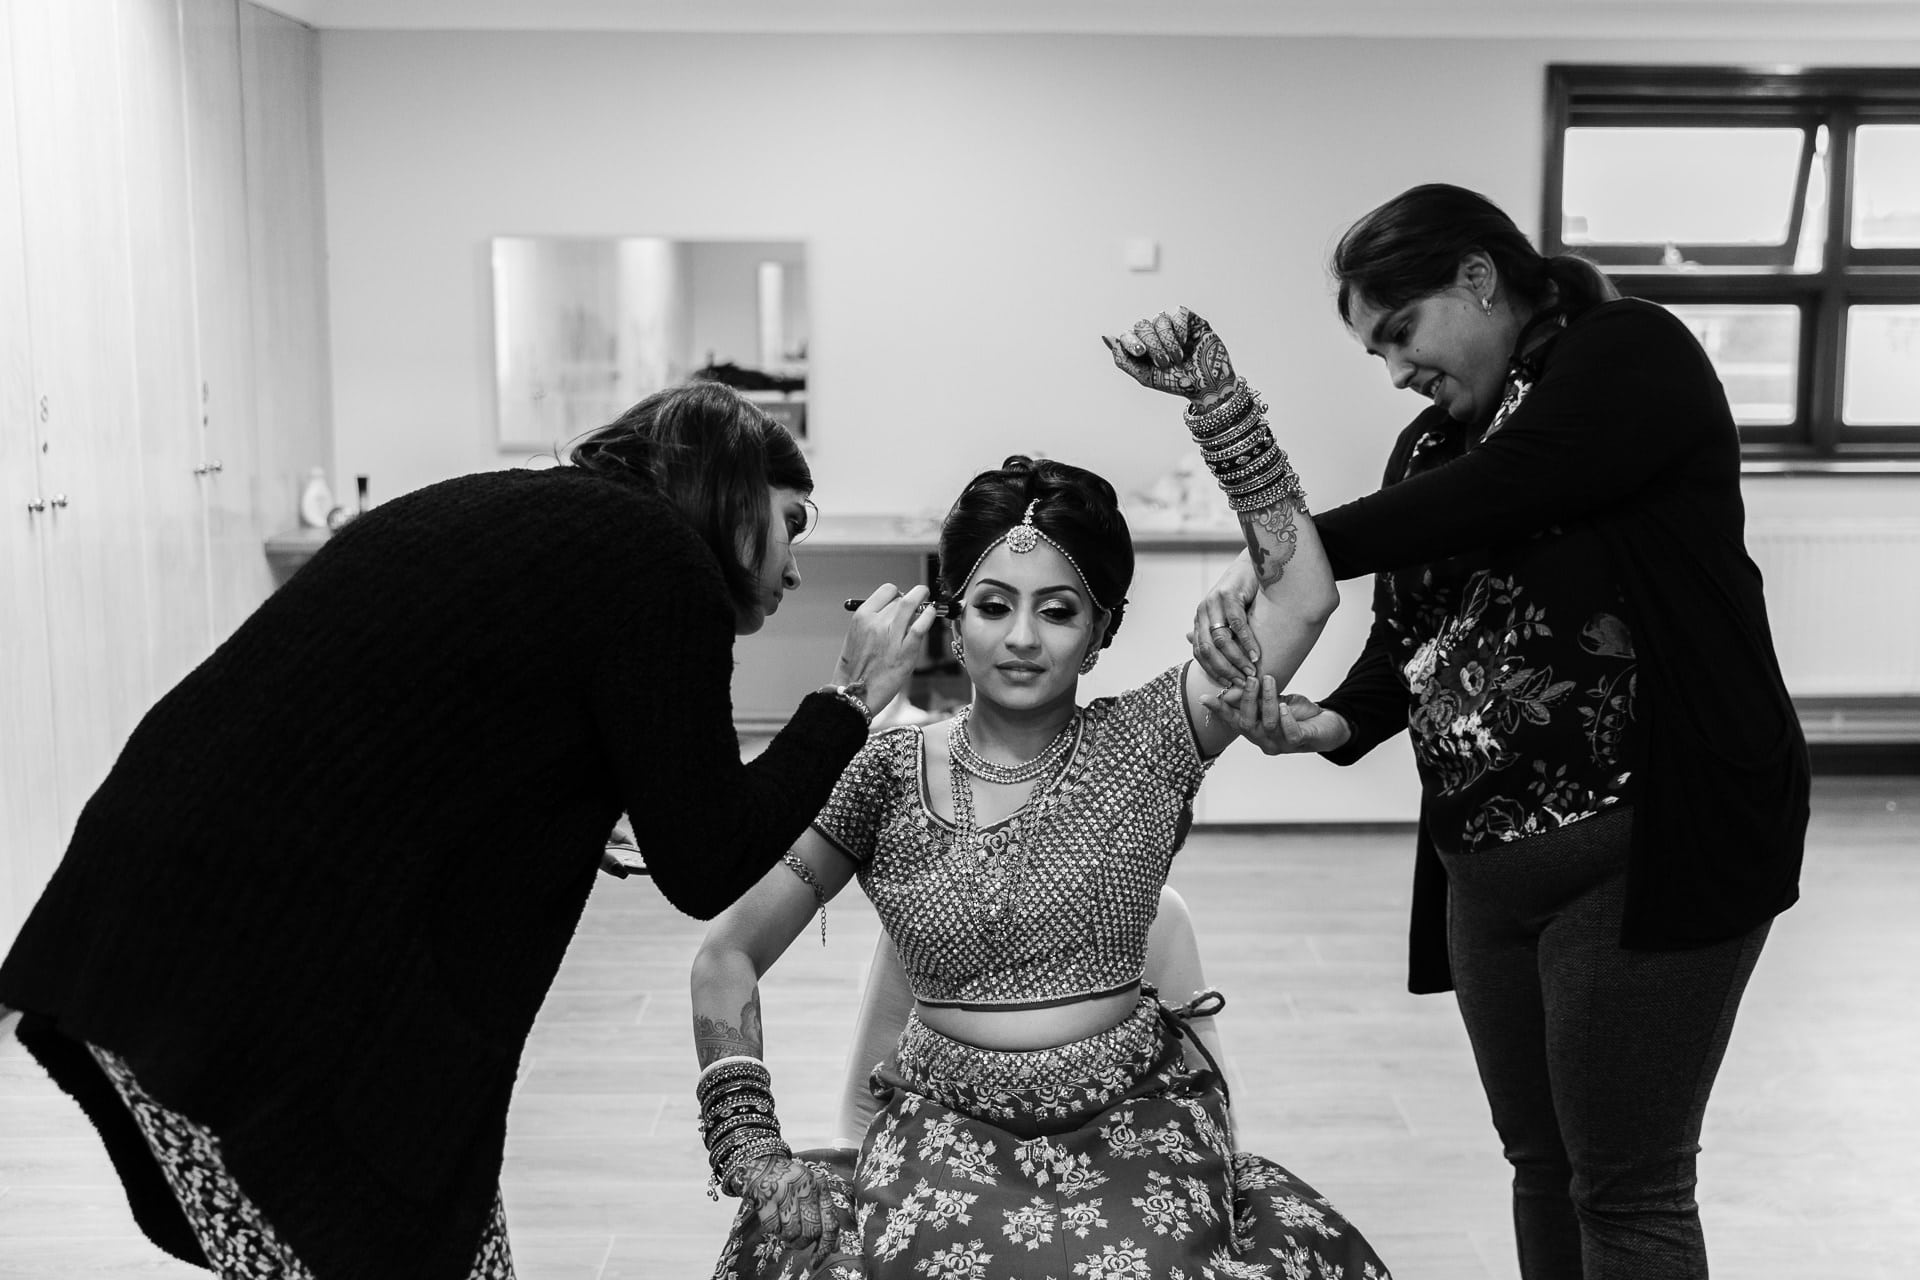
1843,597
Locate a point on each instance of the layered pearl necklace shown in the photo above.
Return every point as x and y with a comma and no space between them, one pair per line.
1006,845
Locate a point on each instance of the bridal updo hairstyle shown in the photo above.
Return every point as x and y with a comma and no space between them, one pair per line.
1412,245
1078,510
712,455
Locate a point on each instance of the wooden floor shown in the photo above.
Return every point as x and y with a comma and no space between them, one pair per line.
1812,1161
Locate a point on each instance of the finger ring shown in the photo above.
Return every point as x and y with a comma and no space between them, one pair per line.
1222,627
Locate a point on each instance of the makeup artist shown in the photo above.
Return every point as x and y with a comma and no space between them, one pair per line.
293,953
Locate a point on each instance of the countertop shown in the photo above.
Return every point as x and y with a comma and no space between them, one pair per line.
848,533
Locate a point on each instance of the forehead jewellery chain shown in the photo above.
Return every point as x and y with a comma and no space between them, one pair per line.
1021,539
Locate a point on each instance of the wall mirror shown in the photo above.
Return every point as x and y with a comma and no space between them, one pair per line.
584,328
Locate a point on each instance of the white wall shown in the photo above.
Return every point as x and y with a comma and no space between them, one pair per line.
965,200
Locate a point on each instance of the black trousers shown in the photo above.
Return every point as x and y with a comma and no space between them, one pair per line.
1597,1060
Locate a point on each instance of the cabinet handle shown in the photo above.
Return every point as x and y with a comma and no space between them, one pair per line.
215,466
58,500
36,507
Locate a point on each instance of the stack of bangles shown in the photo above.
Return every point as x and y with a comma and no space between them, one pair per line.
1240,450
737,1119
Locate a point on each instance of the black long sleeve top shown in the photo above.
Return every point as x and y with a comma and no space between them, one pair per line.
1626,434
321,895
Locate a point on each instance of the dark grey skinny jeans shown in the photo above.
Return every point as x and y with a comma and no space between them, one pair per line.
1597,1060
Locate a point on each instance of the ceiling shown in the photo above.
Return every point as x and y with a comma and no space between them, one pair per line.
1678,19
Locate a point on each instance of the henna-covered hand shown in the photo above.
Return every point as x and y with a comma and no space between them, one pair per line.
1176,352
801,1205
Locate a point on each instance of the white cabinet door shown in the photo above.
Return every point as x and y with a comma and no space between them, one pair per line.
228,453
29,811
280,90
74,217
166,387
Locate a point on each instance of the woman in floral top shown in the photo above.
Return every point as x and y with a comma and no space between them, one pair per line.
1039,1117
1614,783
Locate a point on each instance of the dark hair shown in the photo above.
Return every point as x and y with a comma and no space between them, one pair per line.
1412,245
1078,510
712,455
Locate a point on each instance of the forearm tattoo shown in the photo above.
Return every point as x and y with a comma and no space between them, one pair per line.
715,1038
1271,554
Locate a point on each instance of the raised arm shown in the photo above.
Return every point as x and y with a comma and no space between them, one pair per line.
744,1147
1179,353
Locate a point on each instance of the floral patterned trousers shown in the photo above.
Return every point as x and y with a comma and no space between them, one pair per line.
1104,1159
239,1242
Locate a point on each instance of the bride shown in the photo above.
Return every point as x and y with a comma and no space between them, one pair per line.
1039,1117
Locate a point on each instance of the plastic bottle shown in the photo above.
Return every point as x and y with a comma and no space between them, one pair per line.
316,500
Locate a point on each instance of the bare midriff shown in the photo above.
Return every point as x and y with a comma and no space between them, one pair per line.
1024,1029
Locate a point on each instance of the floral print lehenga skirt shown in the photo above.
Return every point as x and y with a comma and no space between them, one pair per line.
1104,1159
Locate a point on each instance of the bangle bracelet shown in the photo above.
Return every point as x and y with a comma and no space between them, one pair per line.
734,1060
1235,439
1285,488
1232,478
1251,440
1221,415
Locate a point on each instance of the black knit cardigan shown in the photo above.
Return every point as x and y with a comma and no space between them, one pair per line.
321,895
1628,430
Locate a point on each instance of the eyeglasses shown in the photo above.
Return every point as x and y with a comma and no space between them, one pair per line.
812,522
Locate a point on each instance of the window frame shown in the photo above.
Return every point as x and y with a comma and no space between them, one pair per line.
1703,96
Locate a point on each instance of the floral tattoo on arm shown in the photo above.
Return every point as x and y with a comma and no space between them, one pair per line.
715,1038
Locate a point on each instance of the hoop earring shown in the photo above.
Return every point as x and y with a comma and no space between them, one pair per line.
1087,663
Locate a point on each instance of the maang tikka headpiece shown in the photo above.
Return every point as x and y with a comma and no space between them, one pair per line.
1021,539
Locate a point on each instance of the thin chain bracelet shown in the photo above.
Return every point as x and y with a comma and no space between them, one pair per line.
796,865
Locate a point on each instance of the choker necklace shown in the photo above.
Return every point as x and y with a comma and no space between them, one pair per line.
961,751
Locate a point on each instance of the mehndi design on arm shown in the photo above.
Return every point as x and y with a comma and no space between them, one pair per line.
714,1039
1270,563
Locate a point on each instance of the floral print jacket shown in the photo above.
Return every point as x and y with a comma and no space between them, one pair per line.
1520,666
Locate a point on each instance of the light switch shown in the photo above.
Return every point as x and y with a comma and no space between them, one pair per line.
1143,254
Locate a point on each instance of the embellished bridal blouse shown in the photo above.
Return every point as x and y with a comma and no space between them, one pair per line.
1051,905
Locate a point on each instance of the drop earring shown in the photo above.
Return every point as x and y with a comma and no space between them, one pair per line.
1087,663
959,650
1486,306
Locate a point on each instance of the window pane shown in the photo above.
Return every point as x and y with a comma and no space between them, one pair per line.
1679,186
1886,186
1756,352
1882,379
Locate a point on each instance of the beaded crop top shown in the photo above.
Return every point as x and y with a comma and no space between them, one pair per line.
1051,906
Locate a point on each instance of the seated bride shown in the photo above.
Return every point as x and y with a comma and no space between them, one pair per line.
1039,1115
